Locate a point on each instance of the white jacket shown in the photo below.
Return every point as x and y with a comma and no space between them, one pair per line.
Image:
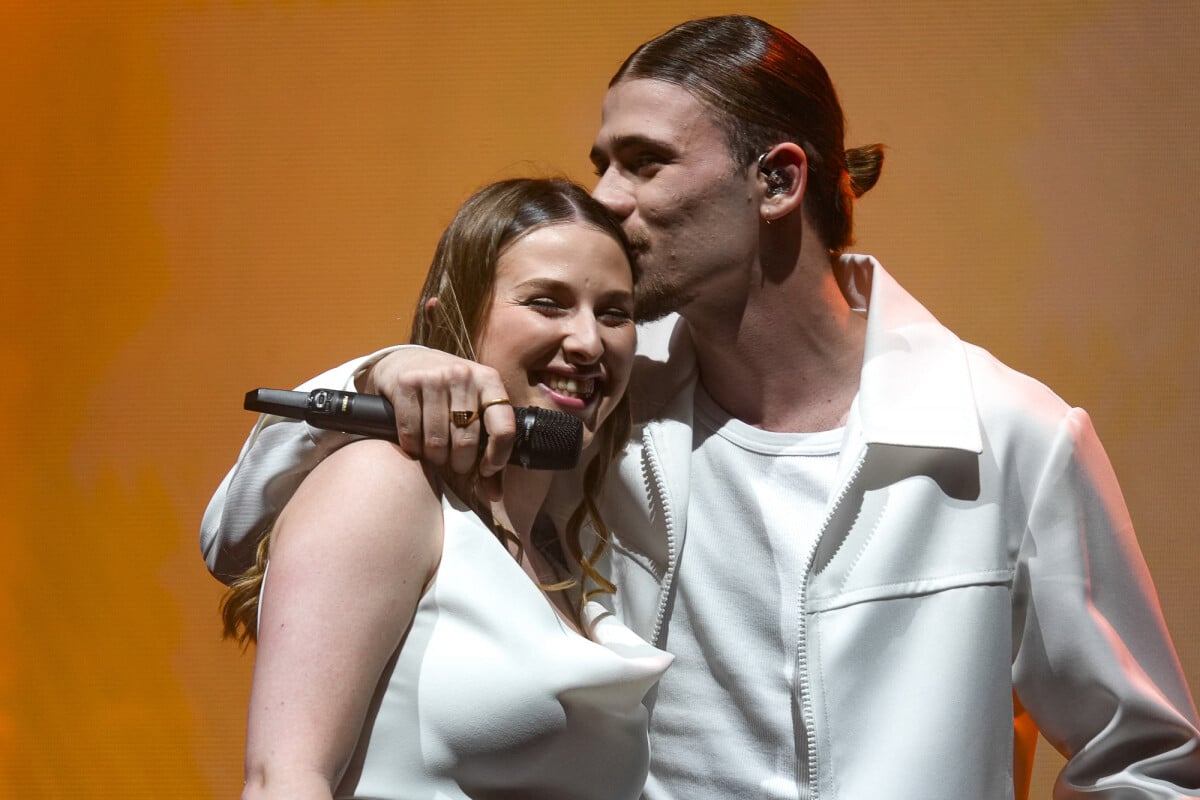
977,573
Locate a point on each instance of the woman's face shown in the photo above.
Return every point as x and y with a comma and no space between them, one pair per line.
560,329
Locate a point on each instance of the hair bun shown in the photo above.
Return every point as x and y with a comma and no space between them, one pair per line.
864,165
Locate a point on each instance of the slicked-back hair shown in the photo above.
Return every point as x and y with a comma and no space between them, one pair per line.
767,88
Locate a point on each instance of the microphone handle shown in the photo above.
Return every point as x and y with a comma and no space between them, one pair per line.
369,414
330,409
545,439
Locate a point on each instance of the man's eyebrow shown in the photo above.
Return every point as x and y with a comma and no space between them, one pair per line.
625,142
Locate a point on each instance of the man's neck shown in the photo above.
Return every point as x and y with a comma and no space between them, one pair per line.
789,359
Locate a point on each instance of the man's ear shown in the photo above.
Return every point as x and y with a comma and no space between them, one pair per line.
782,179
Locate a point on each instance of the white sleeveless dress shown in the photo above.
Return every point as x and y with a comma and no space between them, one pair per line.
491,695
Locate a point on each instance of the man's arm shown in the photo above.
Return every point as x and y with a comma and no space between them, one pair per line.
276,457
422,385
1094,664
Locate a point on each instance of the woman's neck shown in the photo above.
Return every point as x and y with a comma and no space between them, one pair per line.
537,549
525,492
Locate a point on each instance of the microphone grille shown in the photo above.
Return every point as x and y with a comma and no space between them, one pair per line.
546,439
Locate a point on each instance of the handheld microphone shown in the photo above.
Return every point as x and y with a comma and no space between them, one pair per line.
546,439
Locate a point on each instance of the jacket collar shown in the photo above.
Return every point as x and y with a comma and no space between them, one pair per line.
915,389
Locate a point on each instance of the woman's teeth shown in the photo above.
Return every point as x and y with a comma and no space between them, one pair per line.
575,387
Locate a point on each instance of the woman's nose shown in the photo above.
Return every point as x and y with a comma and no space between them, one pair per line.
582,343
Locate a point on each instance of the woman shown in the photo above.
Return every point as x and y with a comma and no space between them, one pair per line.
416,641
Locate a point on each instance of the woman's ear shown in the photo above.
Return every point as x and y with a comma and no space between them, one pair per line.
782,178
430,305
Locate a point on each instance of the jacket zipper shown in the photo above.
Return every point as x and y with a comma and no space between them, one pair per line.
654,468
808,777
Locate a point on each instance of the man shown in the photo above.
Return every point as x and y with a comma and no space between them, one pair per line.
882,559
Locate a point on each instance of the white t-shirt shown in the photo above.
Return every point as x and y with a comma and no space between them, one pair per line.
724,723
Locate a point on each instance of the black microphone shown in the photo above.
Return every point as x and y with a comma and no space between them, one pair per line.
546,439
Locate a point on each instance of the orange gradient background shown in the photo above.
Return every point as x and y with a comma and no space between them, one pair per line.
199,198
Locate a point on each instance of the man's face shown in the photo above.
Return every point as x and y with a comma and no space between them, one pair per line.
690,212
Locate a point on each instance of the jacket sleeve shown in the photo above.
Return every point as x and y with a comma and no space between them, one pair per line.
275,458
1093,663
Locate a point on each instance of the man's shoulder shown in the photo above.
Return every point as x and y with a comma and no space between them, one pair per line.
1008,397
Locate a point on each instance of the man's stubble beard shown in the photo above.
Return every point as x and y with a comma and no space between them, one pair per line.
654,299
655,295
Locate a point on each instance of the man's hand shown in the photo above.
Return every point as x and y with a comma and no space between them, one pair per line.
424,386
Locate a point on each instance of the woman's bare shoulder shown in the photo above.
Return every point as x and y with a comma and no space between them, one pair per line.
372,498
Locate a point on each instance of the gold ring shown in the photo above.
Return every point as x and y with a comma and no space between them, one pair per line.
462,419
499,401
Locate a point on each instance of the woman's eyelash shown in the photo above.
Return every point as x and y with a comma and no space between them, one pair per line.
542,303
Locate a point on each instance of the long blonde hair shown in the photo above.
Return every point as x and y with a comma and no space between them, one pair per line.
461,277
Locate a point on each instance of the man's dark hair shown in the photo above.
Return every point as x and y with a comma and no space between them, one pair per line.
767,88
